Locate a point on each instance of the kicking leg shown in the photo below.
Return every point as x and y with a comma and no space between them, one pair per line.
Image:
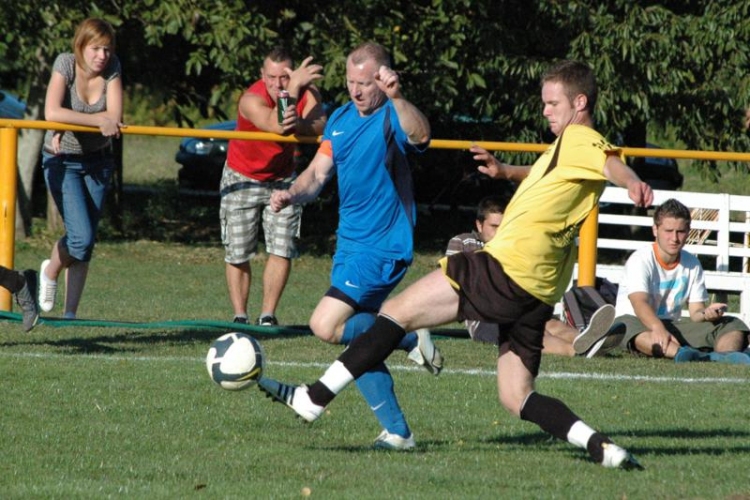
516,391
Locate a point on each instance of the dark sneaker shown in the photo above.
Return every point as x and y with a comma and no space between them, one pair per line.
240,319
26,299
732,357
599,324
267,320
686,354
606,344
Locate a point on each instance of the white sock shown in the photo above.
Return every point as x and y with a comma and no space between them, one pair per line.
579,434
336,377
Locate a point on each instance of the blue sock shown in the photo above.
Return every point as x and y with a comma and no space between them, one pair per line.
361,322
356,326
376,385
409,342
734,357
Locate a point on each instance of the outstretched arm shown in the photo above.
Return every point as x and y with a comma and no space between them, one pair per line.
621,175
495,169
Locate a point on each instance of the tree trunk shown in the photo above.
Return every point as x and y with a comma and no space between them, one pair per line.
29,147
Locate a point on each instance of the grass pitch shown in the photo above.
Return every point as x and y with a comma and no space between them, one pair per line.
92,412
99,412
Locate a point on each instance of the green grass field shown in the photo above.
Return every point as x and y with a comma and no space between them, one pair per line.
123,411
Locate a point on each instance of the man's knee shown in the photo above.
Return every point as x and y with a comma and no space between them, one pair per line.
731,341
325,329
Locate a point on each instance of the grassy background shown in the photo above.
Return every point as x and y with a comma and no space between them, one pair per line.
93,412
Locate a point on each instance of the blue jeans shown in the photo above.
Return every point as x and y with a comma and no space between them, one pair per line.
79,185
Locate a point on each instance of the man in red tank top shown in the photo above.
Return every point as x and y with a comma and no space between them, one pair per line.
254,169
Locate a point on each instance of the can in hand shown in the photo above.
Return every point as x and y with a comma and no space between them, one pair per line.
282,103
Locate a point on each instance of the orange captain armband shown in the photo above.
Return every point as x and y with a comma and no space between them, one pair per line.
326,148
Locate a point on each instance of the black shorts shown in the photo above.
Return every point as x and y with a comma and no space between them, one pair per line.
487,294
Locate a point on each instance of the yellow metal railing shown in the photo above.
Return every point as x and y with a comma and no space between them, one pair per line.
8,176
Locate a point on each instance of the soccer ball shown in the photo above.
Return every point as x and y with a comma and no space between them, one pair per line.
235,361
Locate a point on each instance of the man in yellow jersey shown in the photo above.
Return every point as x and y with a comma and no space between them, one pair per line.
517,277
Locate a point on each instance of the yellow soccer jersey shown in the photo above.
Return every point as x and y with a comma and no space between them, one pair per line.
536,240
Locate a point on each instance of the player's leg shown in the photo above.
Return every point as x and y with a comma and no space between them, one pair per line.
336,322
428,302
515,381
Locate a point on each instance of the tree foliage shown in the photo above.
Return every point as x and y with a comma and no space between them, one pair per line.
472,66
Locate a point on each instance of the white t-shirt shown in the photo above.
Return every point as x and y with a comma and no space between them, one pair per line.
669,289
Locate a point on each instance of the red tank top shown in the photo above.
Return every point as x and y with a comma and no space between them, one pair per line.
262,160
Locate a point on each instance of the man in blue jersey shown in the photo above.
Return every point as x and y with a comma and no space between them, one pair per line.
365,144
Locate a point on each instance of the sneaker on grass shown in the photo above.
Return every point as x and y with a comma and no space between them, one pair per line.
295,397
426,353
686,354
610,341
26,299
616,457
267,320
599,324
394,442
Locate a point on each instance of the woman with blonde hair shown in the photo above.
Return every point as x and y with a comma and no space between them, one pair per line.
85,89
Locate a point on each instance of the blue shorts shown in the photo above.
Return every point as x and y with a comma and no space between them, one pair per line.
364,280
79,185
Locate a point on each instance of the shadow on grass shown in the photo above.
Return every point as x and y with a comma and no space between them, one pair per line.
686,441
131,341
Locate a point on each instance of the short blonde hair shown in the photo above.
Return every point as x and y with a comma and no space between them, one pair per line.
92,30
370,51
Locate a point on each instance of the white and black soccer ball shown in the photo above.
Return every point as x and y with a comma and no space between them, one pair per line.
235,361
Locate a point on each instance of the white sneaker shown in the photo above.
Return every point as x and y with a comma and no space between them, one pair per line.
394,442
47,289
606,344
426,353
598,326
295,398
618,458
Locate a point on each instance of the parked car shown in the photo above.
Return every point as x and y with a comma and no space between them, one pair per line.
659,173
11,106
203,159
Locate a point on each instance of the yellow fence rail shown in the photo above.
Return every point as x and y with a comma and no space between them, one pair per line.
9,176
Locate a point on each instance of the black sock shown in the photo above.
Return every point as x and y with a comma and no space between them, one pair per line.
365,352
551,414
372,347
320,394
594,446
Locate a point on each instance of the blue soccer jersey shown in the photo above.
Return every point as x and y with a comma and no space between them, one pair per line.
377,212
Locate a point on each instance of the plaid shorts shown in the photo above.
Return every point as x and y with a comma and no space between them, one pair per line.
244,202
